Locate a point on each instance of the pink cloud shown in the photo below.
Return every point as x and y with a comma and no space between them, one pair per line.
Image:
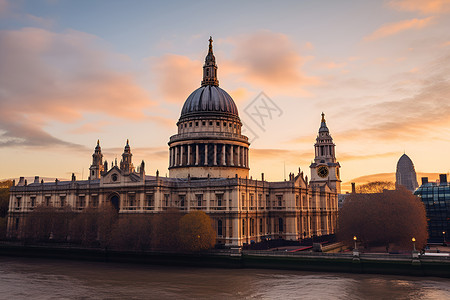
398,27
422,6
177,76
47,76
269,58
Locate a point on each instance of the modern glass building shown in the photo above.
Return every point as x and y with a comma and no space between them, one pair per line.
436,197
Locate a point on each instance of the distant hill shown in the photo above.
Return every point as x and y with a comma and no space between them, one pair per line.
347,186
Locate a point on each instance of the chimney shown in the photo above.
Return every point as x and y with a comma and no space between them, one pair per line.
443,179
424,180
353,188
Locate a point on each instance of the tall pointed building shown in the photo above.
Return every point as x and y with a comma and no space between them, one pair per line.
325,168
405,174
208,171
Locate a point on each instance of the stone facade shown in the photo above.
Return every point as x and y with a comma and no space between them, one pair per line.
208,171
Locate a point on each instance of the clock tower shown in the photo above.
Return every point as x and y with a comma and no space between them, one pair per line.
325,168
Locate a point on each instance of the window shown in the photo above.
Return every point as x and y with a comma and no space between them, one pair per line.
243,227
280,201
243,200
196,123
251,200
199,200
225,124
81,202
33,201
267,201
280,225
203,123
62,200
210,123
219,227
47,200
190,124
260,225
260,204
217,123
252,226
132,201
166,200
219,199
149,201
18,199
182,198
94,201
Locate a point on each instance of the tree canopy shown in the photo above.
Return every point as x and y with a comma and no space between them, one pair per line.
196,232
388,218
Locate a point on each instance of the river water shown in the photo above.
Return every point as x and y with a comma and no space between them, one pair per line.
28,278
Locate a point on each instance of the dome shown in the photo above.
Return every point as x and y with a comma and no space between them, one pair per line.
209,98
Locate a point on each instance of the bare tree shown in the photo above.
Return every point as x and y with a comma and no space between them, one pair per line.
376,187
388,218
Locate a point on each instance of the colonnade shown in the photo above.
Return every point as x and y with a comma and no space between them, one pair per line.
208,154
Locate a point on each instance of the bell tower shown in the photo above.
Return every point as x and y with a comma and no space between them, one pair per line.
325,168
96,169
125,164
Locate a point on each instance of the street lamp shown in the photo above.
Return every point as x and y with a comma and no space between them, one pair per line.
443,234
354,238
414,243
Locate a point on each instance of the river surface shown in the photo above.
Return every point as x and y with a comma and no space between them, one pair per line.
29,278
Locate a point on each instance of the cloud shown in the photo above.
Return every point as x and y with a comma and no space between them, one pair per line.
48,76
349,156
398,27
421,6
289,156
90,127
4,7
176,76
270,59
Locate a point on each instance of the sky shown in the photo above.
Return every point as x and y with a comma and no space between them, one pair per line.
72,72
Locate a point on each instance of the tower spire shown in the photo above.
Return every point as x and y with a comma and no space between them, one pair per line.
210,67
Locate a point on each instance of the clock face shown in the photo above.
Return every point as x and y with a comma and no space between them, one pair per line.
322,171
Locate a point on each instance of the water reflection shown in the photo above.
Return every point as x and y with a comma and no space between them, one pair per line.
55,279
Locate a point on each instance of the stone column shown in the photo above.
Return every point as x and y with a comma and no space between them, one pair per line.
215,155
232,155
181,155
223,155
196,155
170,157
189,155
238,155
176,156
206,154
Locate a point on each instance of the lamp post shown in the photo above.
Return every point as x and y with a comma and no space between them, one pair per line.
354,238
443,235
414,244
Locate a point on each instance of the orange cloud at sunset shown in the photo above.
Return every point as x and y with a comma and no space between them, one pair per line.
270,59
398,27
422,6
49,76
177,76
